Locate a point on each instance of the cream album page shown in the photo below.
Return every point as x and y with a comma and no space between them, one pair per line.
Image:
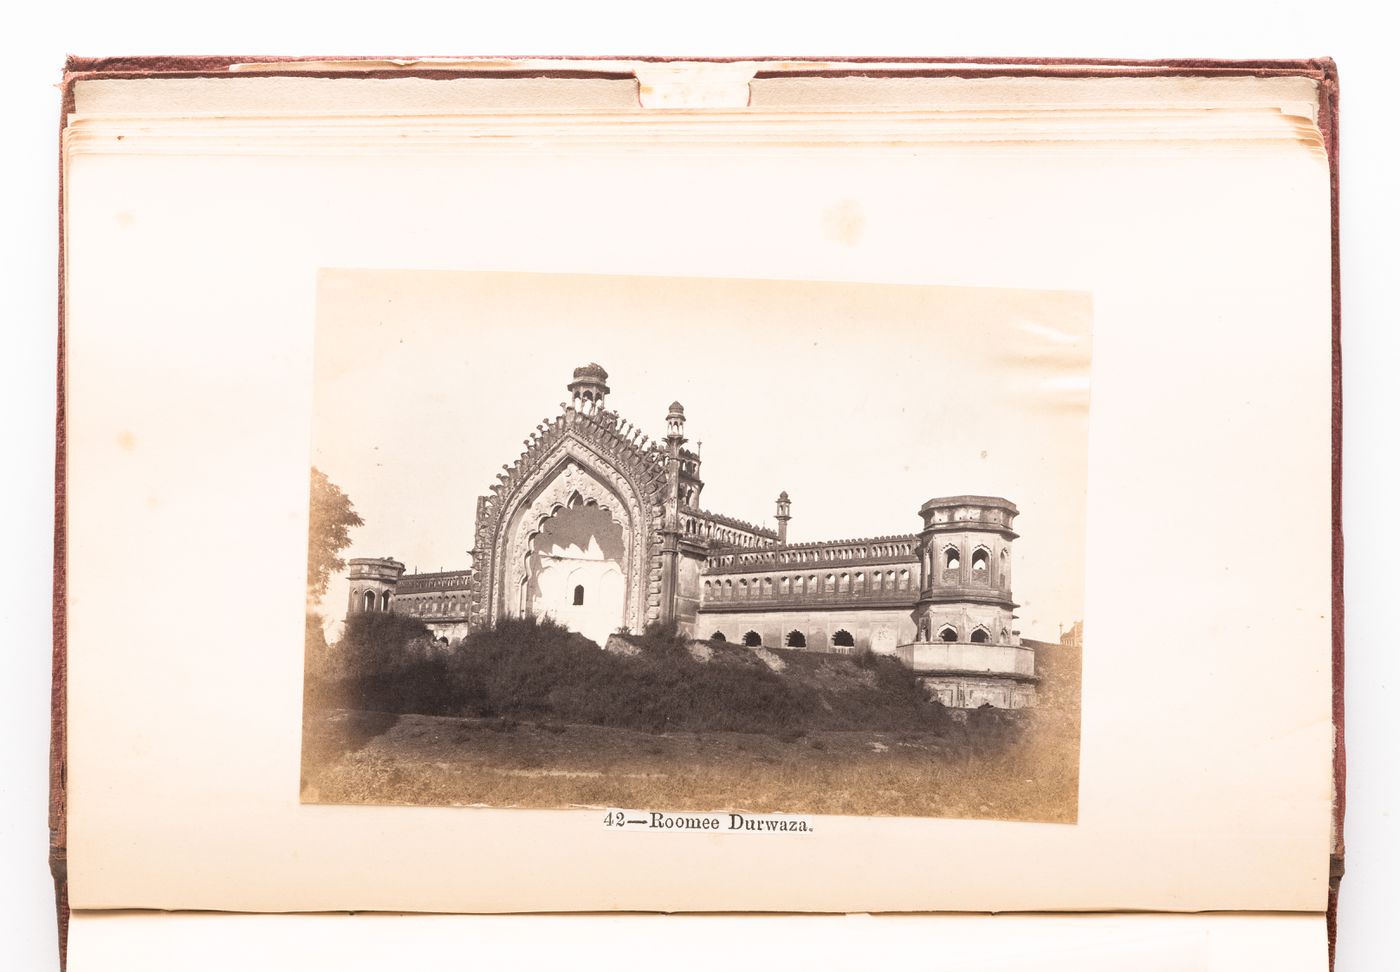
496,495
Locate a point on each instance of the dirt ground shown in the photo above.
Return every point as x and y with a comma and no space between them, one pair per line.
1030,773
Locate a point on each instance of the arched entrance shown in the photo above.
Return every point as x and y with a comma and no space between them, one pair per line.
577,461
574,570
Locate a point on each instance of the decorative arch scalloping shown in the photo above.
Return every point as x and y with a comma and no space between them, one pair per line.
565,484
611,452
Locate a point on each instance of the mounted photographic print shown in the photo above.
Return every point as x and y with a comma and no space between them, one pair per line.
696,544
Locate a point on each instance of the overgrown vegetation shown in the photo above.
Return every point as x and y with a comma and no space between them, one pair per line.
538,670
531,714
384,662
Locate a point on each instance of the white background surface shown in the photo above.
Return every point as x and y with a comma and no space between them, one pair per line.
1351,33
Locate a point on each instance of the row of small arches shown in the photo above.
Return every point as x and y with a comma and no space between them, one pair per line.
375,601
725,535
824,554
452,604
793,639
981,635
981,558
812,584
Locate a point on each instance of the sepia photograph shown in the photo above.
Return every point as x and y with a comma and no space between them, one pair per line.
690,544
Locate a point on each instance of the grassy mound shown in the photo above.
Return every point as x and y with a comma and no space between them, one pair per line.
529,669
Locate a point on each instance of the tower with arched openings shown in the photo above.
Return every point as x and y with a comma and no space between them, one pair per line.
966,644
373,581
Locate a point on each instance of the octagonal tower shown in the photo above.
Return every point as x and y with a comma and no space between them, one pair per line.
373,583
966,647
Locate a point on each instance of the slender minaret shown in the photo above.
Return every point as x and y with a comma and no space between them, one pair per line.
784,514
675,427
671,527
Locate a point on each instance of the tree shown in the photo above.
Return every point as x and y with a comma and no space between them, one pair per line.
332,516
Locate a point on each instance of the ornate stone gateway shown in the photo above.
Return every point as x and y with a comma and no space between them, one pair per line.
575,527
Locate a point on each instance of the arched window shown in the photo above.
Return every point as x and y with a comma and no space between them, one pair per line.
578,595
753,639
980,636
951,560
904,580
843,583
717,636
796,639
948,633
384,601
367,601
981,559
843,639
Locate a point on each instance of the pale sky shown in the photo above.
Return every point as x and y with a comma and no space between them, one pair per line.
861,400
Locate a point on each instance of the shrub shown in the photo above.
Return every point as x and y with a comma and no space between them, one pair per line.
378,642
384,662
897,679
661,634
537,670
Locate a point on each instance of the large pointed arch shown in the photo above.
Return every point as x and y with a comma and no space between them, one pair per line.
579,458
569,484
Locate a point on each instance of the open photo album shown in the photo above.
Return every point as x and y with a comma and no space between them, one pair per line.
854,507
